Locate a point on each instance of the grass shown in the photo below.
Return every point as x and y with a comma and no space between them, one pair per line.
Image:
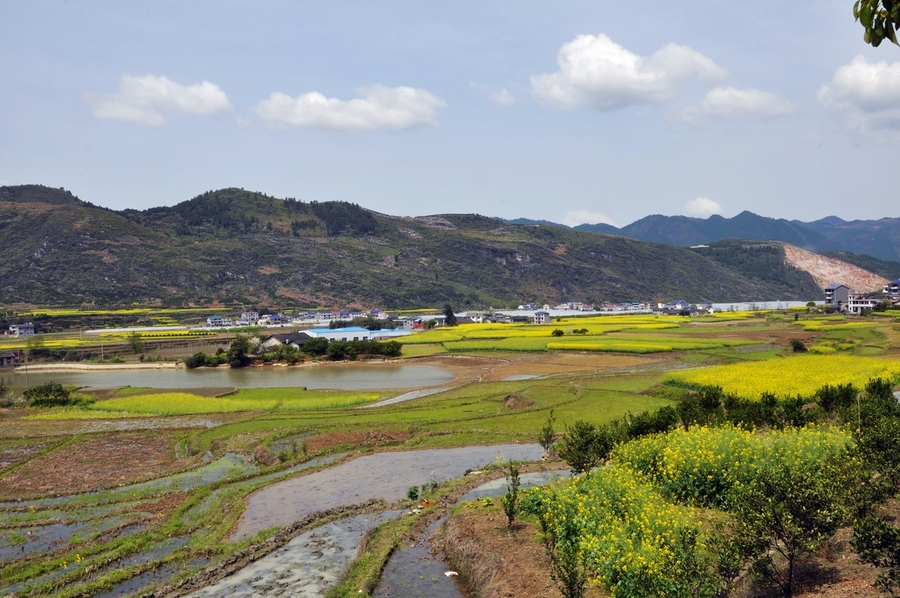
256,399
473,413
422,350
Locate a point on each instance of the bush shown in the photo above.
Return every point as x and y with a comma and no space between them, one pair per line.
50,394
195,361
510,500
583,446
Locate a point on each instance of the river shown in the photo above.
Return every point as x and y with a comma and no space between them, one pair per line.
349,376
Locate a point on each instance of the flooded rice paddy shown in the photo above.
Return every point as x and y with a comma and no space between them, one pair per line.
305,566
383,475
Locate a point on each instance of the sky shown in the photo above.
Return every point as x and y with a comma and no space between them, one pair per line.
571,112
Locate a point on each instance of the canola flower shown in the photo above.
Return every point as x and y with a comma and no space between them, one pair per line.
800,375
636,523
182,403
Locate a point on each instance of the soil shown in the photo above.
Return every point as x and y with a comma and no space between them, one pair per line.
494,562
326,441
827,270
99,461
518,401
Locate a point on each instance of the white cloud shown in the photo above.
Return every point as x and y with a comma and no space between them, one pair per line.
596,72
702,207
502,97
146,100
866,94
576,217
728,103
379,108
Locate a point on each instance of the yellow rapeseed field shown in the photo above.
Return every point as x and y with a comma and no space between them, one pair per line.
799,375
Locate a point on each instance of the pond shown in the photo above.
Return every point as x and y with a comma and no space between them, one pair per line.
321,376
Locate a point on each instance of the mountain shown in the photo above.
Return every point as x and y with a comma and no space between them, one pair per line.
237,246
686,231
769,262
600,227
878,238
530,222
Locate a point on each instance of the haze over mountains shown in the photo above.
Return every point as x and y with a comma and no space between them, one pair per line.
877,238
240,247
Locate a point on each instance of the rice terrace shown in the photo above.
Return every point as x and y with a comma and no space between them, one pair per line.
689,438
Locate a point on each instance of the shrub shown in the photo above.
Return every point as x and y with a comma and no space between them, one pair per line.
583,446
49,394
547,436
510,500
195,361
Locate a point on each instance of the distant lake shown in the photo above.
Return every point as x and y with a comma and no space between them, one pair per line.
334,376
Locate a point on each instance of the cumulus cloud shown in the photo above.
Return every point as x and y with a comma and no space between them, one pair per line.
379,108
728,103
502,97
596,72
147,100
702,207
866,93
576,217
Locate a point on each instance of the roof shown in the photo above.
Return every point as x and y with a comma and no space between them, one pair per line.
7,355
339,330
832,287
290,337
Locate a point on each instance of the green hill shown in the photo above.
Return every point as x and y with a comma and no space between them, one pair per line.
239,246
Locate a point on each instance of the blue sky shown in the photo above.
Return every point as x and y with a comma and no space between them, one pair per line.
568,111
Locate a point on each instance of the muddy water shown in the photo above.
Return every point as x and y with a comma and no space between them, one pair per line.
382,475
305,566
336,376
417,570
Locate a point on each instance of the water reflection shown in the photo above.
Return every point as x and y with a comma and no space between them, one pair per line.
336,376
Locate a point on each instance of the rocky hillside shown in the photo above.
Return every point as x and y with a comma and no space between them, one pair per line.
828,270
236,246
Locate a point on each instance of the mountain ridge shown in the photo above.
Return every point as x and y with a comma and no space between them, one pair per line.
237,246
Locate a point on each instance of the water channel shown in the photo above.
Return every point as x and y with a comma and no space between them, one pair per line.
350,376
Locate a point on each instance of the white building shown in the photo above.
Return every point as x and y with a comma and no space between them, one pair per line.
218,322
22,330
858,304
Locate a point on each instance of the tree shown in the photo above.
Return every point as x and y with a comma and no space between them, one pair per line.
316,346
239,352
449,316
510,500
547,436
879,18
787,511
583,446
135,342
195,361
557,332
35,345
50,394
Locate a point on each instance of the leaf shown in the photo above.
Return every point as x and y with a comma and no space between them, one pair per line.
865,16
889,30
856,10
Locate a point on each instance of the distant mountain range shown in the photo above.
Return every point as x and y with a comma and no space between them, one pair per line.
876,238
238,247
